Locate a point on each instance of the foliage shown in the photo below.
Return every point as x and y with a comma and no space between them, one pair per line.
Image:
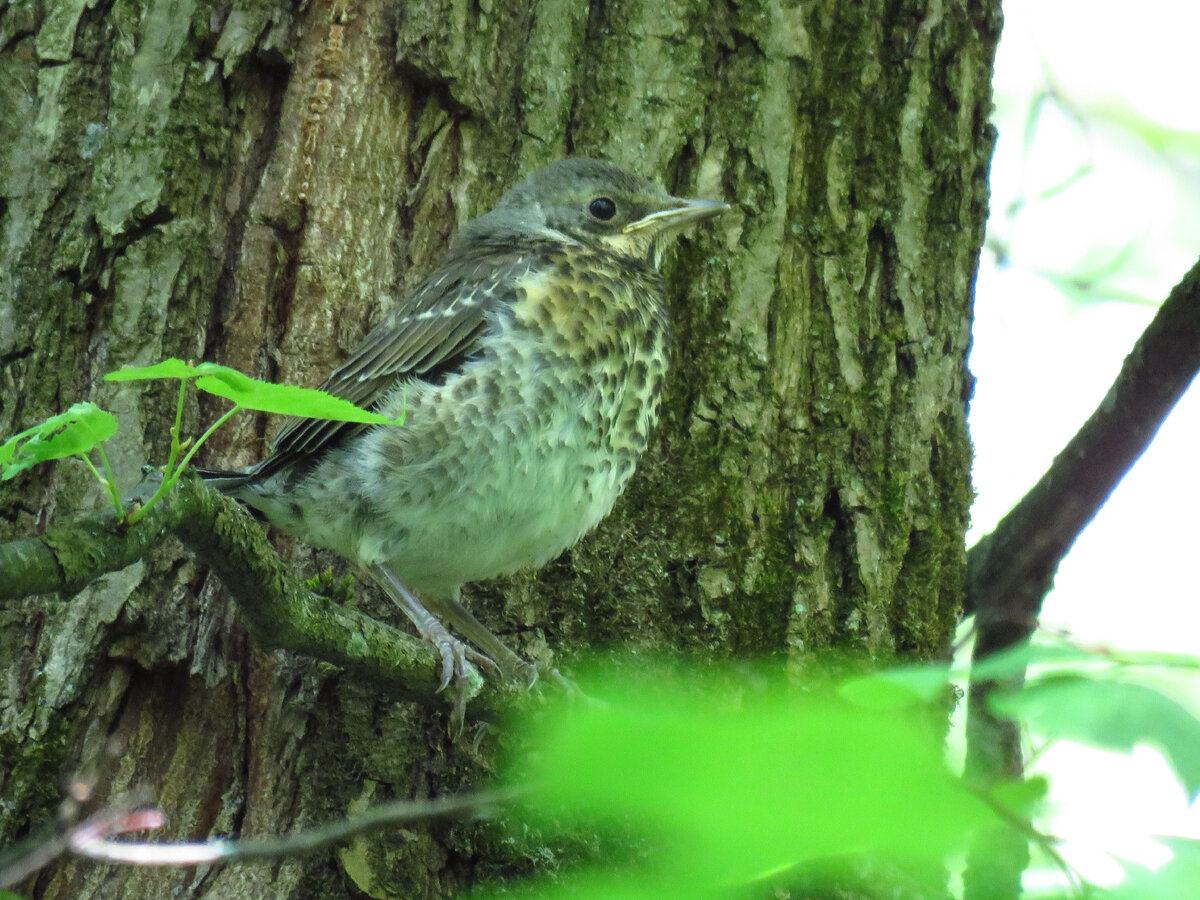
737,783
747,790
84,427
78,431
1104,698
1177,879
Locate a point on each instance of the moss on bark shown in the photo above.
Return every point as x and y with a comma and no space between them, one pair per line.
254,183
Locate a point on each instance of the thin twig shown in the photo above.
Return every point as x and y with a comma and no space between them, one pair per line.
95,836
300,843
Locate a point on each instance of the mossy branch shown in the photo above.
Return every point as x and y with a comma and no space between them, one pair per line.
280,612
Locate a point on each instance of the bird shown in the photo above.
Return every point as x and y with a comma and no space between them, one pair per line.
527,369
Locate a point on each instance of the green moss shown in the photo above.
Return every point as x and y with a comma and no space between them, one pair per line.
34,772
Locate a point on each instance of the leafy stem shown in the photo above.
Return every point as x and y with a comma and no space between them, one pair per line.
107,481
172,472
84,427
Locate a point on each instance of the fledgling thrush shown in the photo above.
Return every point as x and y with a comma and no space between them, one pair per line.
528,367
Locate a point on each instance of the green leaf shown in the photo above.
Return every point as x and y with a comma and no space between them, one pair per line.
1111,714
250,393
1040,656
168,368
1016,661
742,788
73,432
898,688
608,884
1177,880
1023,797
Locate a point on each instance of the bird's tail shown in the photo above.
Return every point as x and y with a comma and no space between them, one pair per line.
227,481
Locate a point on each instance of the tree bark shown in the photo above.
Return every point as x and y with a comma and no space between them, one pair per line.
256,183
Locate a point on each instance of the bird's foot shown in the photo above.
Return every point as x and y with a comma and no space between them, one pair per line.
458,668
505,663
458,658
522,673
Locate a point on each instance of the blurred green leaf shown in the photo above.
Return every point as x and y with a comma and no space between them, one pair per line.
73,432
1177,880
606,884
739,791
1022,797
1111,714
1158,136
1041,656
894,689
1020,659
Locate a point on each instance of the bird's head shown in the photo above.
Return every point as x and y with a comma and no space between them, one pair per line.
591,201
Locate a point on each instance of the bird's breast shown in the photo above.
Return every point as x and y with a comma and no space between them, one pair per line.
517,456
598,327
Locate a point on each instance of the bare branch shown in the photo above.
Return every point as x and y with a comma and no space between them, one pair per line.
1010,571
94,837
300,843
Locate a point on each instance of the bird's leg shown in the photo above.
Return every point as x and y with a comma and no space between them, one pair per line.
456,656
510,665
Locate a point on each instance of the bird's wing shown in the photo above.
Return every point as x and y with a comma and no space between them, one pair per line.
427,337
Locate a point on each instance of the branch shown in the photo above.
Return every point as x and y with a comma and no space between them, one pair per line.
66,560
280,612
1010,571
93,837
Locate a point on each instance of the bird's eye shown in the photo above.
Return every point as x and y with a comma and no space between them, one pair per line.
602,208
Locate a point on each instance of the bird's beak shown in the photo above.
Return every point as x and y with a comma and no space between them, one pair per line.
680,214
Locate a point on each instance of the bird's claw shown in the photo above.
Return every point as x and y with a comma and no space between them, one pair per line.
457,659
483,660
526,674
458,667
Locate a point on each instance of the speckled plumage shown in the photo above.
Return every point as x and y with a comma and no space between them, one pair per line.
528,367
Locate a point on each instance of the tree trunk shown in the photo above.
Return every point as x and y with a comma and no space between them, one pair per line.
257,184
